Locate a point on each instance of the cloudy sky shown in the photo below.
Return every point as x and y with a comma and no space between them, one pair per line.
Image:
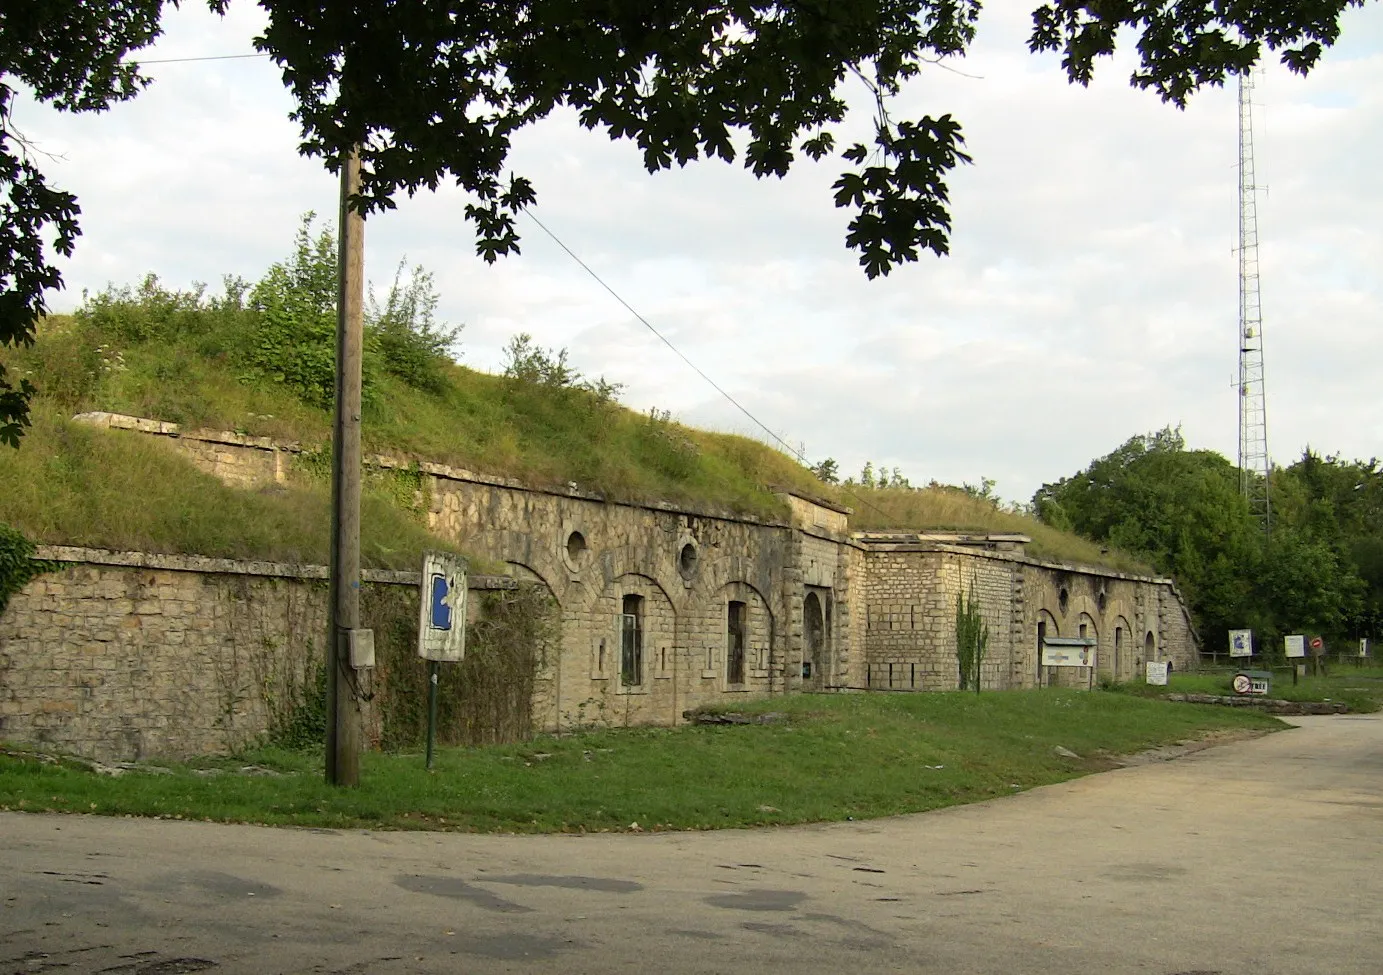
1091,292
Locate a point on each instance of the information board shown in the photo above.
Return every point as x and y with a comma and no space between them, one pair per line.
1065,654
1157,672
1241,643
1295,645
442,615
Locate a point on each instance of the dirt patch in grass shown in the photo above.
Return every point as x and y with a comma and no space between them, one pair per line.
1180,749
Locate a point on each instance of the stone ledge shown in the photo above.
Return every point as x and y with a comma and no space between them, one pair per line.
276,570
121,421
1272,705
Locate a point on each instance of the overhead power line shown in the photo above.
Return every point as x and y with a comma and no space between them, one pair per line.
208,57
695,368
663,338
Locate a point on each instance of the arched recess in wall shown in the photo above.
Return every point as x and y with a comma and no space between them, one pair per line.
813,640
718,573
523,551
1050,602
628,560
1121,649
1085,626
526,573
633,629
738,642
1046,627
1149,647
548,693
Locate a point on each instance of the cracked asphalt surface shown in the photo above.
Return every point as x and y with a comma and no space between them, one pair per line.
1259,857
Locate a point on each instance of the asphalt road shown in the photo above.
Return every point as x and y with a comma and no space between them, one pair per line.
1262,857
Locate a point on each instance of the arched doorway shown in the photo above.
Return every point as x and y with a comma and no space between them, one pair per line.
1046,627
813,642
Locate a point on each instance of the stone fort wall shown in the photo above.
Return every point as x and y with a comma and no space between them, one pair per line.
663,608
124,655
717,600
910,592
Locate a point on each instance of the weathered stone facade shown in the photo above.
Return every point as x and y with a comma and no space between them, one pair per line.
912,582
663,609
123,655
684,572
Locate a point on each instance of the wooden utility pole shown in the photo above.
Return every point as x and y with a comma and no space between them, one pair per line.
343,700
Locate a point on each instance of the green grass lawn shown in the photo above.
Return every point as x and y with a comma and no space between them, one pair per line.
1359,687
835,757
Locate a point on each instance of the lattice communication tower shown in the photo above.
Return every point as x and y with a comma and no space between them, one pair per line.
1254,465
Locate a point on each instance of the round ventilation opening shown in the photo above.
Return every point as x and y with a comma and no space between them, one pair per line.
687,559
576,546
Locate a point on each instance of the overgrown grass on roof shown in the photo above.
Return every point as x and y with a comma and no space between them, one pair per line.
545,436
184,366
72,484
951,509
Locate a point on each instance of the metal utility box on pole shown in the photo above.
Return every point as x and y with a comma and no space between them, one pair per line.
348,647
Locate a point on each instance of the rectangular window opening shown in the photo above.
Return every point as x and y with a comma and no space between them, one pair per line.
631,642
735,643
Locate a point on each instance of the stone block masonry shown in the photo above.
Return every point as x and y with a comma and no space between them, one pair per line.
649,593
123,655
664,608
910,587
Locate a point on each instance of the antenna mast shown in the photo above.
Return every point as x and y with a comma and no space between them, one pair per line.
1254,464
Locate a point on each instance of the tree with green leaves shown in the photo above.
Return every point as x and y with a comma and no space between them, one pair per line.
71,55
294,335
1182,510
972,637
433,92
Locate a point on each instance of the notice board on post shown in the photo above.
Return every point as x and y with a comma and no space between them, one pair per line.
1068,652
442,614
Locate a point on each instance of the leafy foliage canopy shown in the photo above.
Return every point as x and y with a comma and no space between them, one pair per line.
434,92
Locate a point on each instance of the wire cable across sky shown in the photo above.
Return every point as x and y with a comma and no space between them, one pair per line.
792,451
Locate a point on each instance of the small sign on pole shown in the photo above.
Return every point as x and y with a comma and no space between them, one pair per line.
1363,646
1257,682
1068,652
442,619
441,625
1295,645
1317,646
1241,643
1157,672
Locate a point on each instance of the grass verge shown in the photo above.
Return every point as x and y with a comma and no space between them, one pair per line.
835,757
1359,687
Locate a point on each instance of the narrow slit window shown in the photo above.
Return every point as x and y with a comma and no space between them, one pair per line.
735,643
631,642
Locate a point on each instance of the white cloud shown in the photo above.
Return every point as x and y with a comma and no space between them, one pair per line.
1091,292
